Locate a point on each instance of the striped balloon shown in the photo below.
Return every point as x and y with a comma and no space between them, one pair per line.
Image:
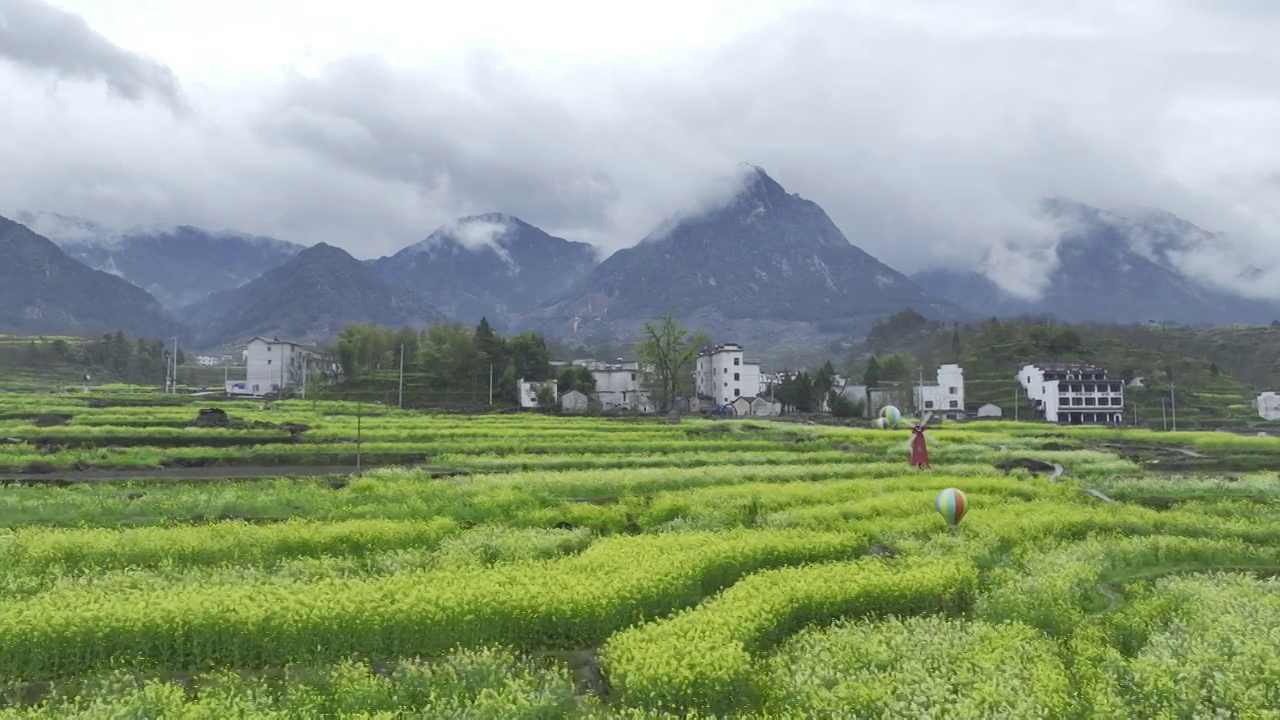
951,505
891,415
880,423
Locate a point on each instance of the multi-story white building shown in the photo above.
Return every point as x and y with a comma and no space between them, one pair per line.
943,397
272,365
1074,393
620,385
723,375
1268,404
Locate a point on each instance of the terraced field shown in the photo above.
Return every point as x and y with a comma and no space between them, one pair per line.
544,567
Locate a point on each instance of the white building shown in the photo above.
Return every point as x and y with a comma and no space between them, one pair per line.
1074,393
619,386
274,364
990,410
528,390
207,361
723,375
1268,404
943,397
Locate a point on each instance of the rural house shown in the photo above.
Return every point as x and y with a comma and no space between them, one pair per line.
277,365
574,403
1268,404
1074,393
990,410
943,397
723,375
619,386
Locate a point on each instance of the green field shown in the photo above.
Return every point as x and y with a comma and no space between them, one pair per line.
531,566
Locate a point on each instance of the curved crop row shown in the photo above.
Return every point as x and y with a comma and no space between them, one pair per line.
566,603
703,659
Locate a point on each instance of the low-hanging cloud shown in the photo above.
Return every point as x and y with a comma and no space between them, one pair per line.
930,131
40,37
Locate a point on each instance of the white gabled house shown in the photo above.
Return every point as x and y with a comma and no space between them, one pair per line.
1074,393
990,410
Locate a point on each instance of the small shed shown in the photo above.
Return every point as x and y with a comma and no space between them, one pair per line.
741,406
764,407
990,410
574,402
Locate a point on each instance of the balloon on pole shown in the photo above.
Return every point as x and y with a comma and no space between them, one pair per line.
891,415
951,505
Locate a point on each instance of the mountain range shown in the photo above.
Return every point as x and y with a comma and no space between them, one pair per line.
494,266
764,267
307,299
179,265
42,289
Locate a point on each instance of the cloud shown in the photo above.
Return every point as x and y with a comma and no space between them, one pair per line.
42,38
929,131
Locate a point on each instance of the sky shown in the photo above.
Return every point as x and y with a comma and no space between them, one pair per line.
928,129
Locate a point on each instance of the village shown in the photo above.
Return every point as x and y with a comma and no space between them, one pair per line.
726,382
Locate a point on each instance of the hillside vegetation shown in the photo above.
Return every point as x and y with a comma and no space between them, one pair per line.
1214,372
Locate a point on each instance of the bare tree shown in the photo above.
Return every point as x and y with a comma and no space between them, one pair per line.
669,349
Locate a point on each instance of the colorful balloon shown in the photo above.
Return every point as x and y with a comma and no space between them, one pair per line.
880,423
951,505
891,415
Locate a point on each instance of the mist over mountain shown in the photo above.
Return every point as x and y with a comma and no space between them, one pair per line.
1111,268
494,265
44,290
767,264
177,265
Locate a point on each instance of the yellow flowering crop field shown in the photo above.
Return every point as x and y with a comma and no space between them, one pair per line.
530,566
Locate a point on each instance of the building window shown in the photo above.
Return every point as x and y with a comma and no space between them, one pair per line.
268,361
633,377
1090,401
955,403
735,377
736,392
726,384
726,371
953,391
1116,401
928,403
737,361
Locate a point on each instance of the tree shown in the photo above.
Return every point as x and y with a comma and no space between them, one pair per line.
669,349
576,377
871,377
546,398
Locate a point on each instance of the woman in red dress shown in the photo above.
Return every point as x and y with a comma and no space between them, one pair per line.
919,451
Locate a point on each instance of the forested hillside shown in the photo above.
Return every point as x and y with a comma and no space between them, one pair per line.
1213,373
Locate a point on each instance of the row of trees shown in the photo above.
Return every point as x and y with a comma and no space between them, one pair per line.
444,360
111,356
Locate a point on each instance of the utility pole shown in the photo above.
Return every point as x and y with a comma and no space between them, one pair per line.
1164,413
304,377
400,400
920,394
1173,407
490,384
359,413
1015,403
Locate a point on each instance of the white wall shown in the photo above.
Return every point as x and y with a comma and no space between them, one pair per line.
1050,392
1268,404
528,391
723,375
947,396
